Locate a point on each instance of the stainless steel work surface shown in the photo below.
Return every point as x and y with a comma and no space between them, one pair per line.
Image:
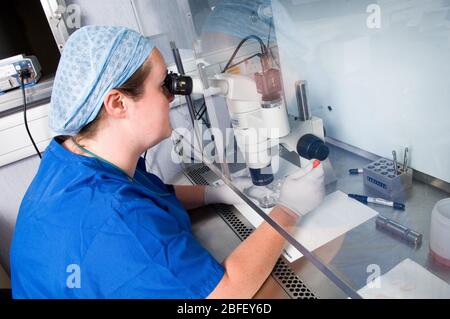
366,245
350,256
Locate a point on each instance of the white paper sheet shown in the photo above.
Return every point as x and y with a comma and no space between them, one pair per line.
407,280
337,215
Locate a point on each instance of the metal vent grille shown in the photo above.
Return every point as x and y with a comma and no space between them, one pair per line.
196,174
290,281
285,277
282,273
228,215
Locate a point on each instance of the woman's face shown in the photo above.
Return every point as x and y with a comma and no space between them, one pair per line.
149,115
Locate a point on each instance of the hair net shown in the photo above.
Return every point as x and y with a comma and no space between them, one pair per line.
95,60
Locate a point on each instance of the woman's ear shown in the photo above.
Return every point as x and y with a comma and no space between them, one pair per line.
115,103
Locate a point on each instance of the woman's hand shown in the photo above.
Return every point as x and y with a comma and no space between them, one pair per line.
303,191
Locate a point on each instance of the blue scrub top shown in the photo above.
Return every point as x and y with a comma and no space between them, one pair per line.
85,230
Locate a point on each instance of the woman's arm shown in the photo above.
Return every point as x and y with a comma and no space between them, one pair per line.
249,265
190,196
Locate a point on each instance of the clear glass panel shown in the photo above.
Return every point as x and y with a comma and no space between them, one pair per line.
255,139
362,71
371,66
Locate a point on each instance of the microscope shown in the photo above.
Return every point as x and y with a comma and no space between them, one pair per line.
259,116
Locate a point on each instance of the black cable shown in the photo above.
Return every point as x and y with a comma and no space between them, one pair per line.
25,114
273,58
246,59
197,111
261,43
204,115
270,32
201,113
201,110
268,45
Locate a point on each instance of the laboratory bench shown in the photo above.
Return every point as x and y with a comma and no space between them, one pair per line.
350,257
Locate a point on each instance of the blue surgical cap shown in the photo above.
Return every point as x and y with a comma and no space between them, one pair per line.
95,60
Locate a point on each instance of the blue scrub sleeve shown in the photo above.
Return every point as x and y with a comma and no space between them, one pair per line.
170,247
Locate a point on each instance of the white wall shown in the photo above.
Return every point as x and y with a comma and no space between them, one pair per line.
106,12
388,86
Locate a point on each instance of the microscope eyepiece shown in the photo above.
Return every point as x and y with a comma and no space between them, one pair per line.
177,84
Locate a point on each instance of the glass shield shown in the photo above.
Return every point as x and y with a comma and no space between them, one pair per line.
362,64
343,68
253,135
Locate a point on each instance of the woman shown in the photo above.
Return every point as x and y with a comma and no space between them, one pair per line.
94,223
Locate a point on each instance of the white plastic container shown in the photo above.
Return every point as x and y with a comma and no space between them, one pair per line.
440,232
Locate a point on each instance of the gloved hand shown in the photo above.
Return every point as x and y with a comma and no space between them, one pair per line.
223,194
303,191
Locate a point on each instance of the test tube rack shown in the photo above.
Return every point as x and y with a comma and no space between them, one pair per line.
381,176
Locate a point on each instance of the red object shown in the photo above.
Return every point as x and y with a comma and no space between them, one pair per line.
316,163
439,259
269,84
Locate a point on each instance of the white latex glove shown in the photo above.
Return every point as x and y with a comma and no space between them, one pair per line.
223,194
304,190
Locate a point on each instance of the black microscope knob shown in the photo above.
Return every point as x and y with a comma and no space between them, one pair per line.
310,147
